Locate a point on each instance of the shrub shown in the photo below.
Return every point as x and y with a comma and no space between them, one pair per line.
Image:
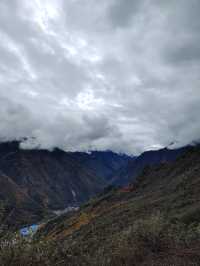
149,241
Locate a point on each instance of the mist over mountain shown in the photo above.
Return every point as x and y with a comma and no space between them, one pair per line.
99,132
120,76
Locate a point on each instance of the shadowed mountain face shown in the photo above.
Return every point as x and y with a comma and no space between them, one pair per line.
155,222
103,163
36,181
135,167
44,180
172,188
16,207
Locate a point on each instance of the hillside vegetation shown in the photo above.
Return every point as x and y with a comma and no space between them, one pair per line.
155,221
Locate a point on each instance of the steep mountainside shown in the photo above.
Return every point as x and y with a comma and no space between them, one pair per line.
103,163
45,180
51,180
15,205
135,167
165,197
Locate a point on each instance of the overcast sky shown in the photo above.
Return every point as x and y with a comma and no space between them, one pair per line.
111,74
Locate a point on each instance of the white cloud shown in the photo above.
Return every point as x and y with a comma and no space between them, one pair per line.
121,75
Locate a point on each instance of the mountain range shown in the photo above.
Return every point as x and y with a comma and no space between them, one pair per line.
155,221
36,182
152,219
149,158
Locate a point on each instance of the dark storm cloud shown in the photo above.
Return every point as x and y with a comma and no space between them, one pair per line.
80,75
182,39
121,12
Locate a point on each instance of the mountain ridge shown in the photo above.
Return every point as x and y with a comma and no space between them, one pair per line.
156,222
149,158
53,180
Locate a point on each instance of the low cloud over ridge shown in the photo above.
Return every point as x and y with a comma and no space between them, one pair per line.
119,75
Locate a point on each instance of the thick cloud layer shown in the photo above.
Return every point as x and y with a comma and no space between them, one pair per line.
111,74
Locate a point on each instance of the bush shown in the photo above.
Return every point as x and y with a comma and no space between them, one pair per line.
156,241
150,241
